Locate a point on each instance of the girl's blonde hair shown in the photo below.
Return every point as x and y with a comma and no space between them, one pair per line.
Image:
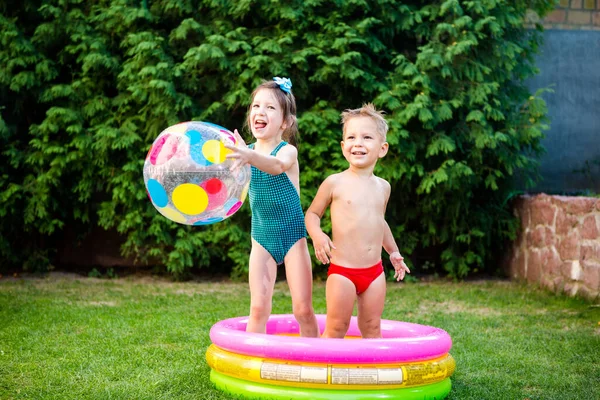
367,110
287,102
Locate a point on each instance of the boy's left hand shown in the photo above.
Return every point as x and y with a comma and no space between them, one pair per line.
399,266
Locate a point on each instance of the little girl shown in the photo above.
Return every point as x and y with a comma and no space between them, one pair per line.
278,229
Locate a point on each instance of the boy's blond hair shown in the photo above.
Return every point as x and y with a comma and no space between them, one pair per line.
367,110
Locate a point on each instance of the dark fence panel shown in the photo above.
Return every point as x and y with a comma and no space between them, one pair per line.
570,63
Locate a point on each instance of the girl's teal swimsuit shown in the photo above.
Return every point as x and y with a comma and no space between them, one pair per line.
277,217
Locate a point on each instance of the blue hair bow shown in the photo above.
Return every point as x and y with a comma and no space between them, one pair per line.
285,84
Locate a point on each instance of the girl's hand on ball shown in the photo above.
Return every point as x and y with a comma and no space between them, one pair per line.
239,138
240,153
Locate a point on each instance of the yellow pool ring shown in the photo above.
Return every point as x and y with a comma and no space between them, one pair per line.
329,376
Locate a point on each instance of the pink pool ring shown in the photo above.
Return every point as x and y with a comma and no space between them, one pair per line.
400,342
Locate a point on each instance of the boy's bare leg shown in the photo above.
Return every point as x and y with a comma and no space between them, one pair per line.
370,308
340,294
298,271
261,278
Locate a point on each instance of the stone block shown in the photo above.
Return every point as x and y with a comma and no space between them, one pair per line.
536,237
590,252
542,213
576,271
565,268
591,276
589,4
579,17
576,4
561,201
565,222
551,261
556,17
549,237
581,205
534,266
589,228
596,22
568,247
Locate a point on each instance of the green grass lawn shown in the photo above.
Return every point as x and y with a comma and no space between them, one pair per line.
66,337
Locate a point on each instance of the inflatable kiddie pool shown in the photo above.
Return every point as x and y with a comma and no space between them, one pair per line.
410,361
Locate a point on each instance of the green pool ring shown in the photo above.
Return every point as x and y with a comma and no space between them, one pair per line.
253,390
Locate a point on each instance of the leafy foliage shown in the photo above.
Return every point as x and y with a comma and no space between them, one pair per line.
86,86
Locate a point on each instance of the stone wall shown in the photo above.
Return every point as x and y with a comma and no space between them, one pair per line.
559,244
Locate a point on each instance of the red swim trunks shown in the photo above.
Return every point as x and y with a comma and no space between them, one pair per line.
361,277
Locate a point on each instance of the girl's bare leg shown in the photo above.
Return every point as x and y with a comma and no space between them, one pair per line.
340,294
370,308
298,272
261,278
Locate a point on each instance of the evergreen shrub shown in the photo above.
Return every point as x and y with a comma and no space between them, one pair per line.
86,86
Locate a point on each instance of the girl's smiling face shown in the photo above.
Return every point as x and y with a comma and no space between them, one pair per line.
266,116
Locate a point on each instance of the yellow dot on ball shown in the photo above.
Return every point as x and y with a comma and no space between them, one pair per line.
244,193
190,199
172,214
214,151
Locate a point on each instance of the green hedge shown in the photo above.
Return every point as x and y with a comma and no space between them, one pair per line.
86,86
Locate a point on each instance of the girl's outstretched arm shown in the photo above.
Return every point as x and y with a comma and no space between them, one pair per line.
274,165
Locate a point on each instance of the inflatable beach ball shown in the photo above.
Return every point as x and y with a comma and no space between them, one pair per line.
187,175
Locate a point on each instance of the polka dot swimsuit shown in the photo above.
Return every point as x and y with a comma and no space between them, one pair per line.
277,216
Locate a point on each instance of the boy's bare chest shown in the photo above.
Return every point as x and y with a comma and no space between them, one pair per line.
357,198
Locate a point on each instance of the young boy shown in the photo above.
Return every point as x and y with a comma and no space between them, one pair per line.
358,200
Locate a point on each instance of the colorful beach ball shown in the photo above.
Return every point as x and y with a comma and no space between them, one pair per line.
188,178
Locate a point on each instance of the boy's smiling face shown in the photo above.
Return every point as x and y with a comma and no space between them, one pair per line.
363,145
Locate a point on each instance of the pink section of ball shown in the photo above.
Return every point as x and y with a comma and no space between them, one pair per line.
164,148
234,208
229,135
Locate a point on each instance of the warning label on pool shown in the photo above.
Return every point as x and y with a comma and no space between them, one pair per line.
336,375
366,376
293,373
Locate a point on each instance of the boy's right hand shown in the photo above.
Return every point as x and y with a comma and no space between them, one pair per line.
399,266
323,245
